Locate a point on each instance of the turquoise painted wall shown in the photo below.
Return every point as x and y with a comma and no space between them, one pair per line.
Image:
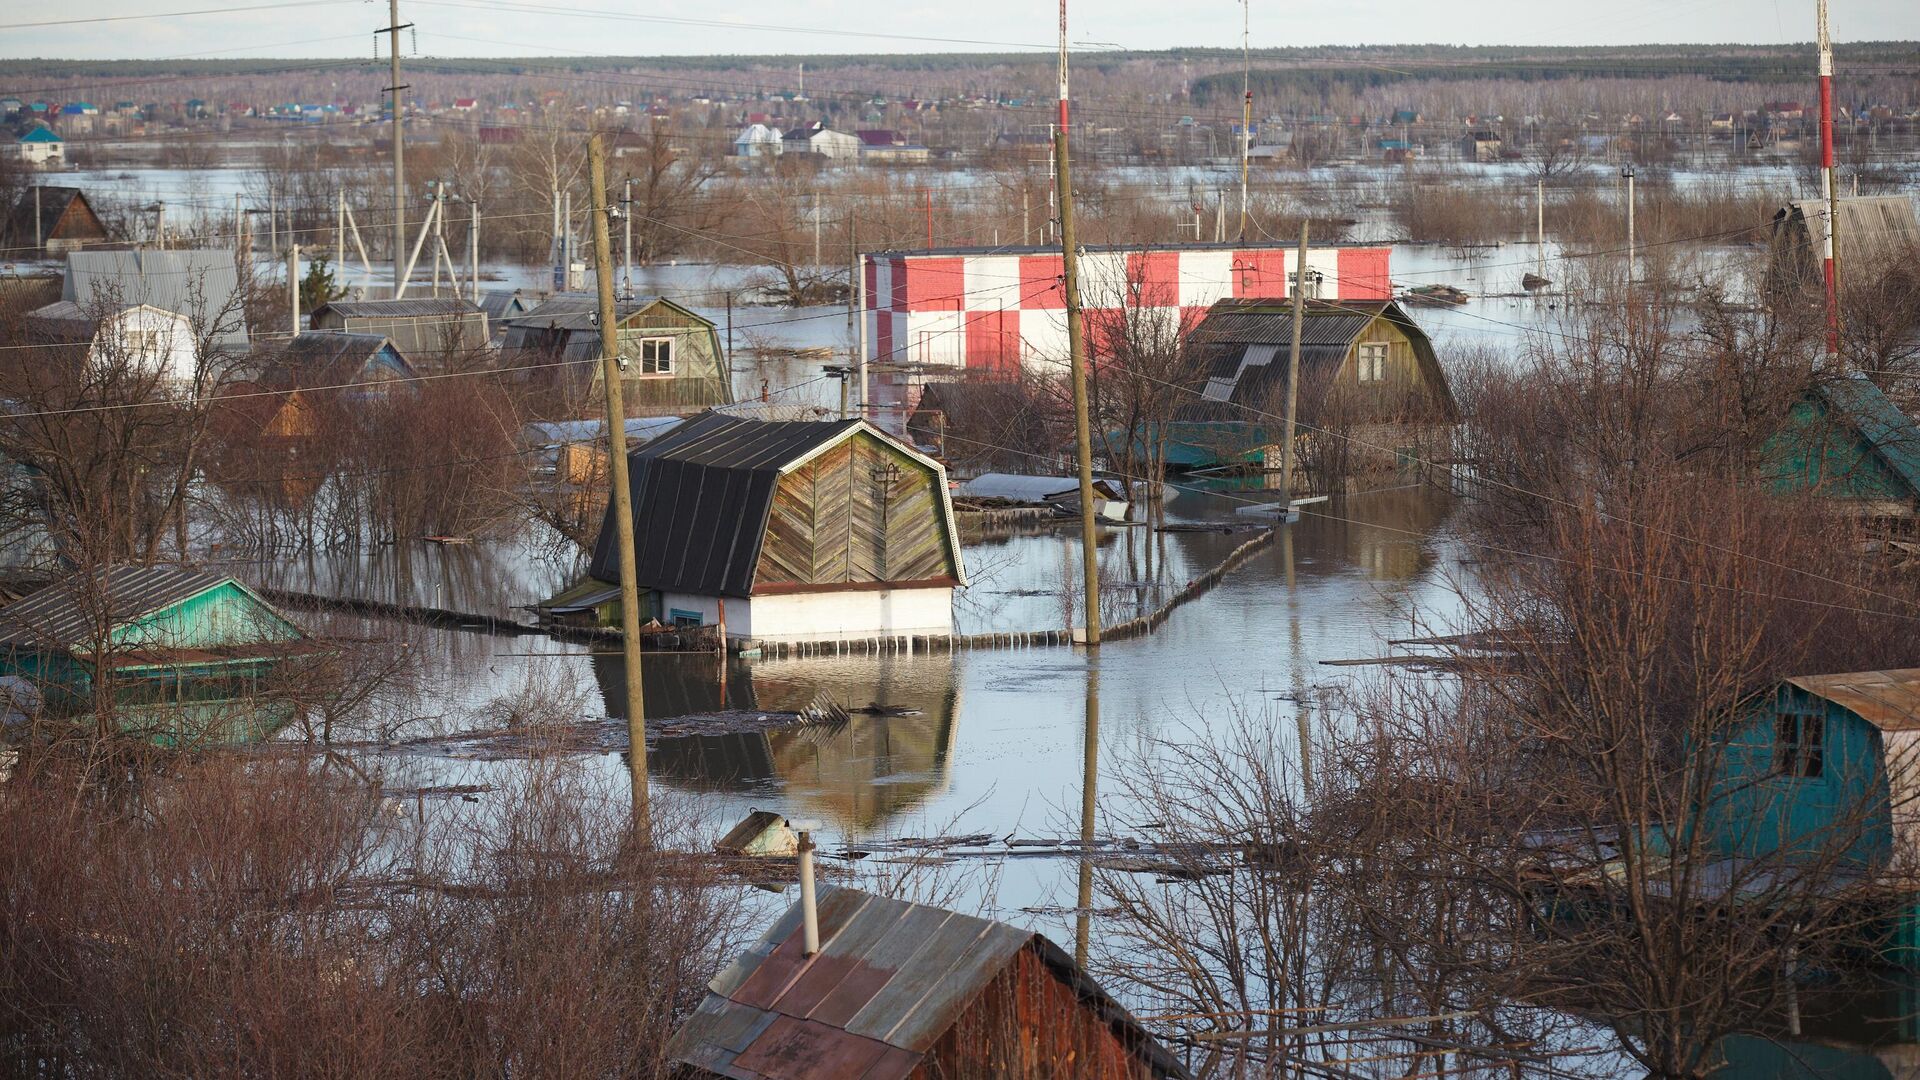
1820,453
227,615
1754,812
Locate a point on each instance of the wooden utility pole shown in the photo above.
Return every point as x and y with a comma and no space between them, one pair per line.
1293,368
622,493
1830,264
293,287
1246,107
1076,354
399,152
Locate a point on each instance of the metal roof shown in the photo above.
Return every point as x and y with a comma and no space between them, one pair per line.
702,494
1892,433
70,613
890,979
201,285
1889,700
422,307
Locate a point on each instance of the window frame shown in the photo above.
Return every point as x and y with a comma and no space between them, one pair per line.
1799,745
664,344
1370,360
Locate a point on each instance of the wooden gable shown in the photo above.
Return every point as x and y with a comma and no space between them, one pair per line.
859,513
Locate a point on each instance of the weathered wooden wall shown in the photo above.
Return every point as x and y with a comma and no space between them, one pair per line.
861,513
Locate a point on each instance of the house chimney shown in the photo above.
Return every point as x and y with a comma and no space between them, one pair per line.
809,911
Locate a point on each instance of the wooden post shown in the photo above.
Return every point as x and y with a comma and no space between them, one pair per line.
622,493
1076,354
1293,367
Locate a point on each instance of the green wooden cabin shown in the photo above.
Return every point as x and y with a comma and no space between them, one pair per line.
1367,369
675,365
1824,764
1844,440
191,654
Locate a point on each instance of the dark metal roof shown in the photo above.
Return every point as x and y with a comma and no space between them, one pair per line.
71,613
890,979
333,358
1892,433
405,308
701,496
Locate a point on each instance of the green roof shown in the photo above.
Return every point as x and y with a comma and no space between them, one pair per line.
39,135
1892,434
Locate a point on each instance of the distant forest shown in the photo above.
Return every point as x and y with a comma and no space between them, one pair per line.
1318,68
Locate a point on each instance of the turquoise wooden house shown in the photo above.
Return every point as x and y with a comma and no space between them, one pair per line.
1845,441
1824,765
191,654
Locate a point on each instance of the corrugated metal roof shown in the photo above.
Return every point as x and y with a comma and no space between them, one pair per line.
405,308
198,284
1892,433
890,979
1889,700
68,614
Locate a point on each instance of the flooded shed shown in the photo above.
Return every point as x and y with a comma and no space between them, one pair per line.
789,531
902,990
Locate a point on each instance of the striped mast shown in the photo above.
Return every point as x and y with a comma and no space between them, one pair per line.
1828,189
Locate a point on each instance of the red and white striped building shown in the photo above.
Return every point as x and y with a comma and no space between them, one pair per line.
1000,309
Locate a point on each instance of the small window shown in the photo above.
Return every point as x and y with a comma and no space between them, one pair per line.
656,356
1373,361
686,619
1799,745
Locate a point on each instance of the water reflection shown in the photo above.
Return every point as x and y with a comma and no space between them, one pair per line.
1851,1028
892,755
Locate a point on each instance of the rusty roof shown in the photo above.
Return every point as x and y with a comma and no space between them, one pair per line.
1889,700
890,978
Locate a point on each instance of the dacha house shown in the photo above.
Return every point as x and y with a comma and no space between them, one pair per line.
672,362
789,531
187,656
1372,398
1844,441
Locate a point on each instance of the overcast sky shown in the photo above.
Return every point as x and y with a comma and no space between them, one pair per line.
547,27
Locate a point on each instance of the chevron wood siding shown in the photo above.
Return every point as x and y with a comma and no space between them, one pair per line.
860,513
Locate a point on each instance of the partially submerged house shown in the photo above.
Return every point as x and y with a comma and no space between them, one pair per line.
1373,397
423,328
674,364
900,990
188,655
312,374
789,531
1826,768
1061,493
55,220
140,340
1877,233
1845,441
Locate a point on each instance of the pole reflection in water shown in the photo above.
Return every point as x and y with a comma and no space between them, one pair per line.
1089,792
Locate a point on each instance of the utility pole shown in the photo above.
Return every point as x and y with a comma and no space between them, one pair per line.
399,150
1627,174
239,226
1076,354
340,230
1540,222
1246,108
816,232
439,235
473,245
293,287
1829,192
860,304
622,493
1293,368
1026,211
40,240
626,224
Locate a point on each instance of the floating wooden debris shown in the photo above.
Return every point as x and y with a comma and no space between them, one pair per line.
1435,296
760,833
